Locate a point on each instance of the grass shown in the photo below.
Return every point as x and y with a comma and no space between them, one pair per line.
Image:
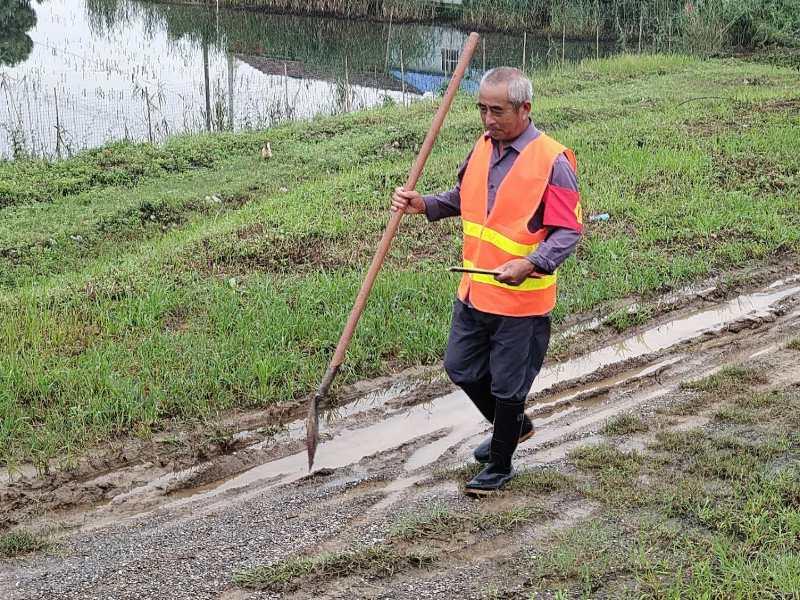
717,516
21,541
730,378
736,415
437,523
375,561
605,457
462,473
142,286
724,458
757,407
526,481
625,424
586,554
794,344
441,522
437,520
540,481
625,318
761,400
613,471
750,551
736,380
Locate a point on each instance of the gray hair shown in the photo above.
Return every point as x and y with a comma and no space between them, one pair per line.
520,88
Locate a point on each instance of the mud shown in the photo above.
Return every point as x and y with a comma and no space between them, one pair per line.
388,417
381,451
368,428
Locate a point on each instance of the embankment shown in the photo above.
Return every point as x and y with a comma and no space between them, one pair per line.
146,286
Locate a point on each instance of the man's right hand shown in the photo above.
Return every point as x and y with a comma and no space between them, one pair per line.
409,201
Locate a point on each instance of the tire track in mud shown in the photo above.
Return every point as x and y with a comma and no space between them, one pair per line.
381,454
382,427
392,417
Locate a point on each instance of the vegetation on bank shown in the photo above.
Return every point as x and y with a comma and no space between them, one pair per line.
143,284
698,25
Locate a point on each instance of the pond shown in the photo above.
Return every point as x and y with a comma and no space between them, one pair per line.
76,74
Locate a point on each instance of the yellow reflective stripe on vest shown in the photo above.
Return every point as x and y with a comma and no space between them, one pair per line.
505,244
529,285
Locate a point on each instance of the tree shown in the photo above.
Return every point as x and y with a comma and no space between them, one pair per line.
16,19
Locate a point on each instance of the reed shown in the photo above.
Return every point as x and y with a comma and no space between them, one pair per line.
402,10
641,25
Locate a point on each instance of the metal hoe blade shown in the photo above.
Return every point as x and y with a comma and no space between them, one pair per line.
312,428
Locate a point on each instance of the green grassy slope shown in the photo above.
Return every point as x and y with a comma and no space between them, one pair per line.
140,284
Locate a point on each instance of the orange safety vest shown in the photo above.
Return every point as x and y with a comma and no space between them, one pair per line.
491,240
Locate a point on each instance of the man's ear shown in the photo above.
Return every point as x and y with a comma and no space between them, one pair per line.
524,109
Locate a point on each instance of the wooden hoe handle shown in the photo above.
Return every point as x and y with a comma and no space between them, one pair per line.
383,248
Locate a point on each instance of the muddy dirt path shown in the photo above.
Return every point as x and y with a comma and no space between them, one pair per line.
184,533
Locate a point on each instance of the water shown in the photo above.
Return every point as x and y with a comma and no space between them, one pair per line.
400,425
81,73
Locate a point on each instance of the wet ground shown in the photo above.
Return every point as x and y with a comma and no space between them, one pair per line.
150,530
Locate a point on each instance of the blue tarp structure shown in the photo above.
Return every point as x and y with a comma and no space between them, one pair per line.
430,82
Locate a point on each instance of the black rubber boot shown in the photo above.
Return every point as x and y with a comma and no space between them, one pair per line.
508,420
480,393
483,453
493,477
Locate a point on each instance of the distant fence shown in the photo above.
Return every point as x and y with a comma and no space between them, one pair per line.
53,123
40,119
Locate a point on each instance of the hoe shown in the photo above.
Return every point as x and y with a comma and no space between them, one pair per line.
312,422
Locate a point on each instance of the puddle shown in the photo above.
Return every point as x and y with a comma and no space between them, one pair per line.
550,434
351,445
582,327
783,282
662,337
586,390
454,414
296,430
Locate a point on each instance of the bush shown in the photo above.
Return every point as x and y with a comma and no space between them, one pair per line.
710,27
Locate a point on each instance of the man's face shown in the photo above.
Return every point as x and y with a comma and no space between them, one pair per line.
500,118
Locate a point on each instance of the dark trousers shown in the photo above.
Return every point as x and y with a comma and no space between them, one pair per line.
495,359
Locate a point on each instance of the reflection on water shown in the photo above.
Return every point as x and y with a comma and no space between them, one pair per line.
16,19
80,73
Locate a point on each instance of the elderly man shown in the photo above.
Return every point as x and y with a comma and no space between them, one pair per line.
517,195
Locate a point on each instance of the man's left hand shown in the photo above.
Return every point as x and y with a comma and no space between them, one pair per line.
514,272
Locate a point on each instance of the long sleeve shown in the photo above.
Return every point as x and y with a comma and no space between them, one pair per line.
443,205
554,250
561,214
446,204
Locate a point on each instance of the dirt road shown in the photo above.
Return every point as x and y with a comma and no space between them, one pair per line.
148,530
